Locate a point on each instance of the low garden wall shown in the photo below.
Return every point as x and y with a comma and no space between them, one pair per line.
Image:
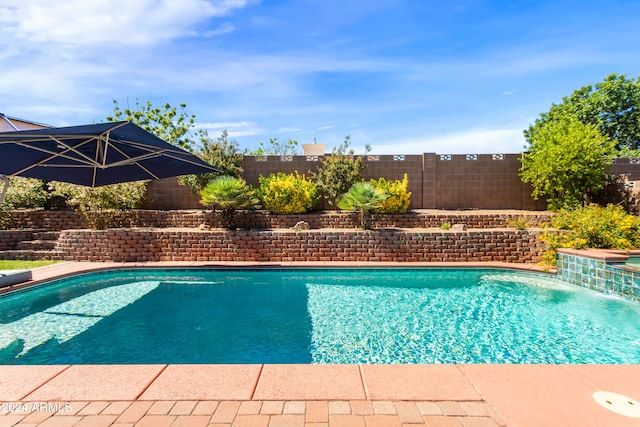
9,239
54,220
139,245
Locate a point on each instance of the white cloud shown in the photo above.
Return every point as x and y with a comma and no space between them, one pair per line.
289,130
222,29
234,129
107,22
473,141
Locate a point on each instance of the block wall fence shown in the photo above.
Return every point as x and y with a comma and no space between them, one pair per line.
436,181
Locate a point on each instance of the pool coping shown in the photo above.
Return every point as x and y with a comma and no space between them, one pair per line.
346,394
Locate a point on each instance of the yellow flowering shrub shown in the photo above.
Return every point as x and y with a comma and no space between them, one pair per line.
287,193
592,226
399,198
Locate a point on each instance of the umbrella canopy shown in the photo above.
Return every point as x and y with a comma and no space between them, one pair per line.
94,155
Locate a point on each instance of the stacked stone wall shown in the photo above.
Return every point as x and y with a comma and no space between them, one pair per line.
139,245
35,219
9,239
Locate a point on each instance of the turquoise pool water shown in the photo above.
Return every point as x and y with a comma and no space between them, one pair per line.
316,316
634,261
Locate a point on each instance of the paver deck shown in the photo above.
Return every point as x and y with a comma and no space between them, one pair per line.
309,395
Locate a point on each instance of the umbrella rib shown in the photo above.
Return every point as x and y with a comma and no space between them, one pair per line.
140,158
87,161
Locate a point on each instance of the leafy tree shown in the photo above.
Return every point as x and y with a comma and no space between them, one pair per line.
222,153
165,122
363,197
613,106
277,148
229,194
338,171
566,162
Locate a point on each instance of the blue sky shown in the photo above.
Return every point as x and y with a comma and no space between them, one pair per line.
406,76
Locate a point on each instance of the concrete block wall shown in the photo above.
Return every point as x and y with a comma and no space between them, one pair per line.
482,181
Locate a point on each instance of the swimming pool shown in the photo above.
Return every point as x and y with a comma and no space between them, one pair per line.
316,316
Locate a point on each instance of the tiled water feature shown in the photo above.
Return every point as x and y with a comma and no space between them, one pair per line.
602,270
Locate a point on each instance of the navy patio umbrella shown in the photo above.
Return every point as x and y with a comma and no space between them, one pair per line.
94,155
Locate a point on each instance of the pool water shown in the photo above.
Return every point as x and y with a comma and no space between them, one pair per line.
316,316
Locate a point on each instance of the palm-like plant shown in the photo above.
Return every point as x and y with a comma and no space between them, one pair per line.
362,197
228,193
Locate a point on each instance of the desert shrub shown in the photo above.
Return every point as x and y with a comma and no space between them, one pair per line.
223,153
287,193
99,206
445,226
592,226
519,222
338,171
398,198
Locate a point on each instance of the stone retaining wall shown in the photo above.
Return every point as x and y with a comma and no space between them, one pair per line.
140,245
9,239
37,219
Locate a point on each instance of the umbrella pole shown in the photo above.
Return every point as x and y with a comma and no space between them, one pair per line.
5,180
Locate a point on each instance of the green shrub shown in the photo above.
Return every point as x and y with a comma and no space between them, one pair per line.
338,171
25,193
398,198
287,193
21,193
445,226
223,153
99,205
592,226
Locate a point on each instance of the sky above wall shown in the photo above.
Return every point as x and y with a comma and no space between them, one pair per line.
405,76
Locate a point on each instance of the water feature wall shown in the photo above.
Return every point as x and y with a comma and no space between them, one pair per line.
601,270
